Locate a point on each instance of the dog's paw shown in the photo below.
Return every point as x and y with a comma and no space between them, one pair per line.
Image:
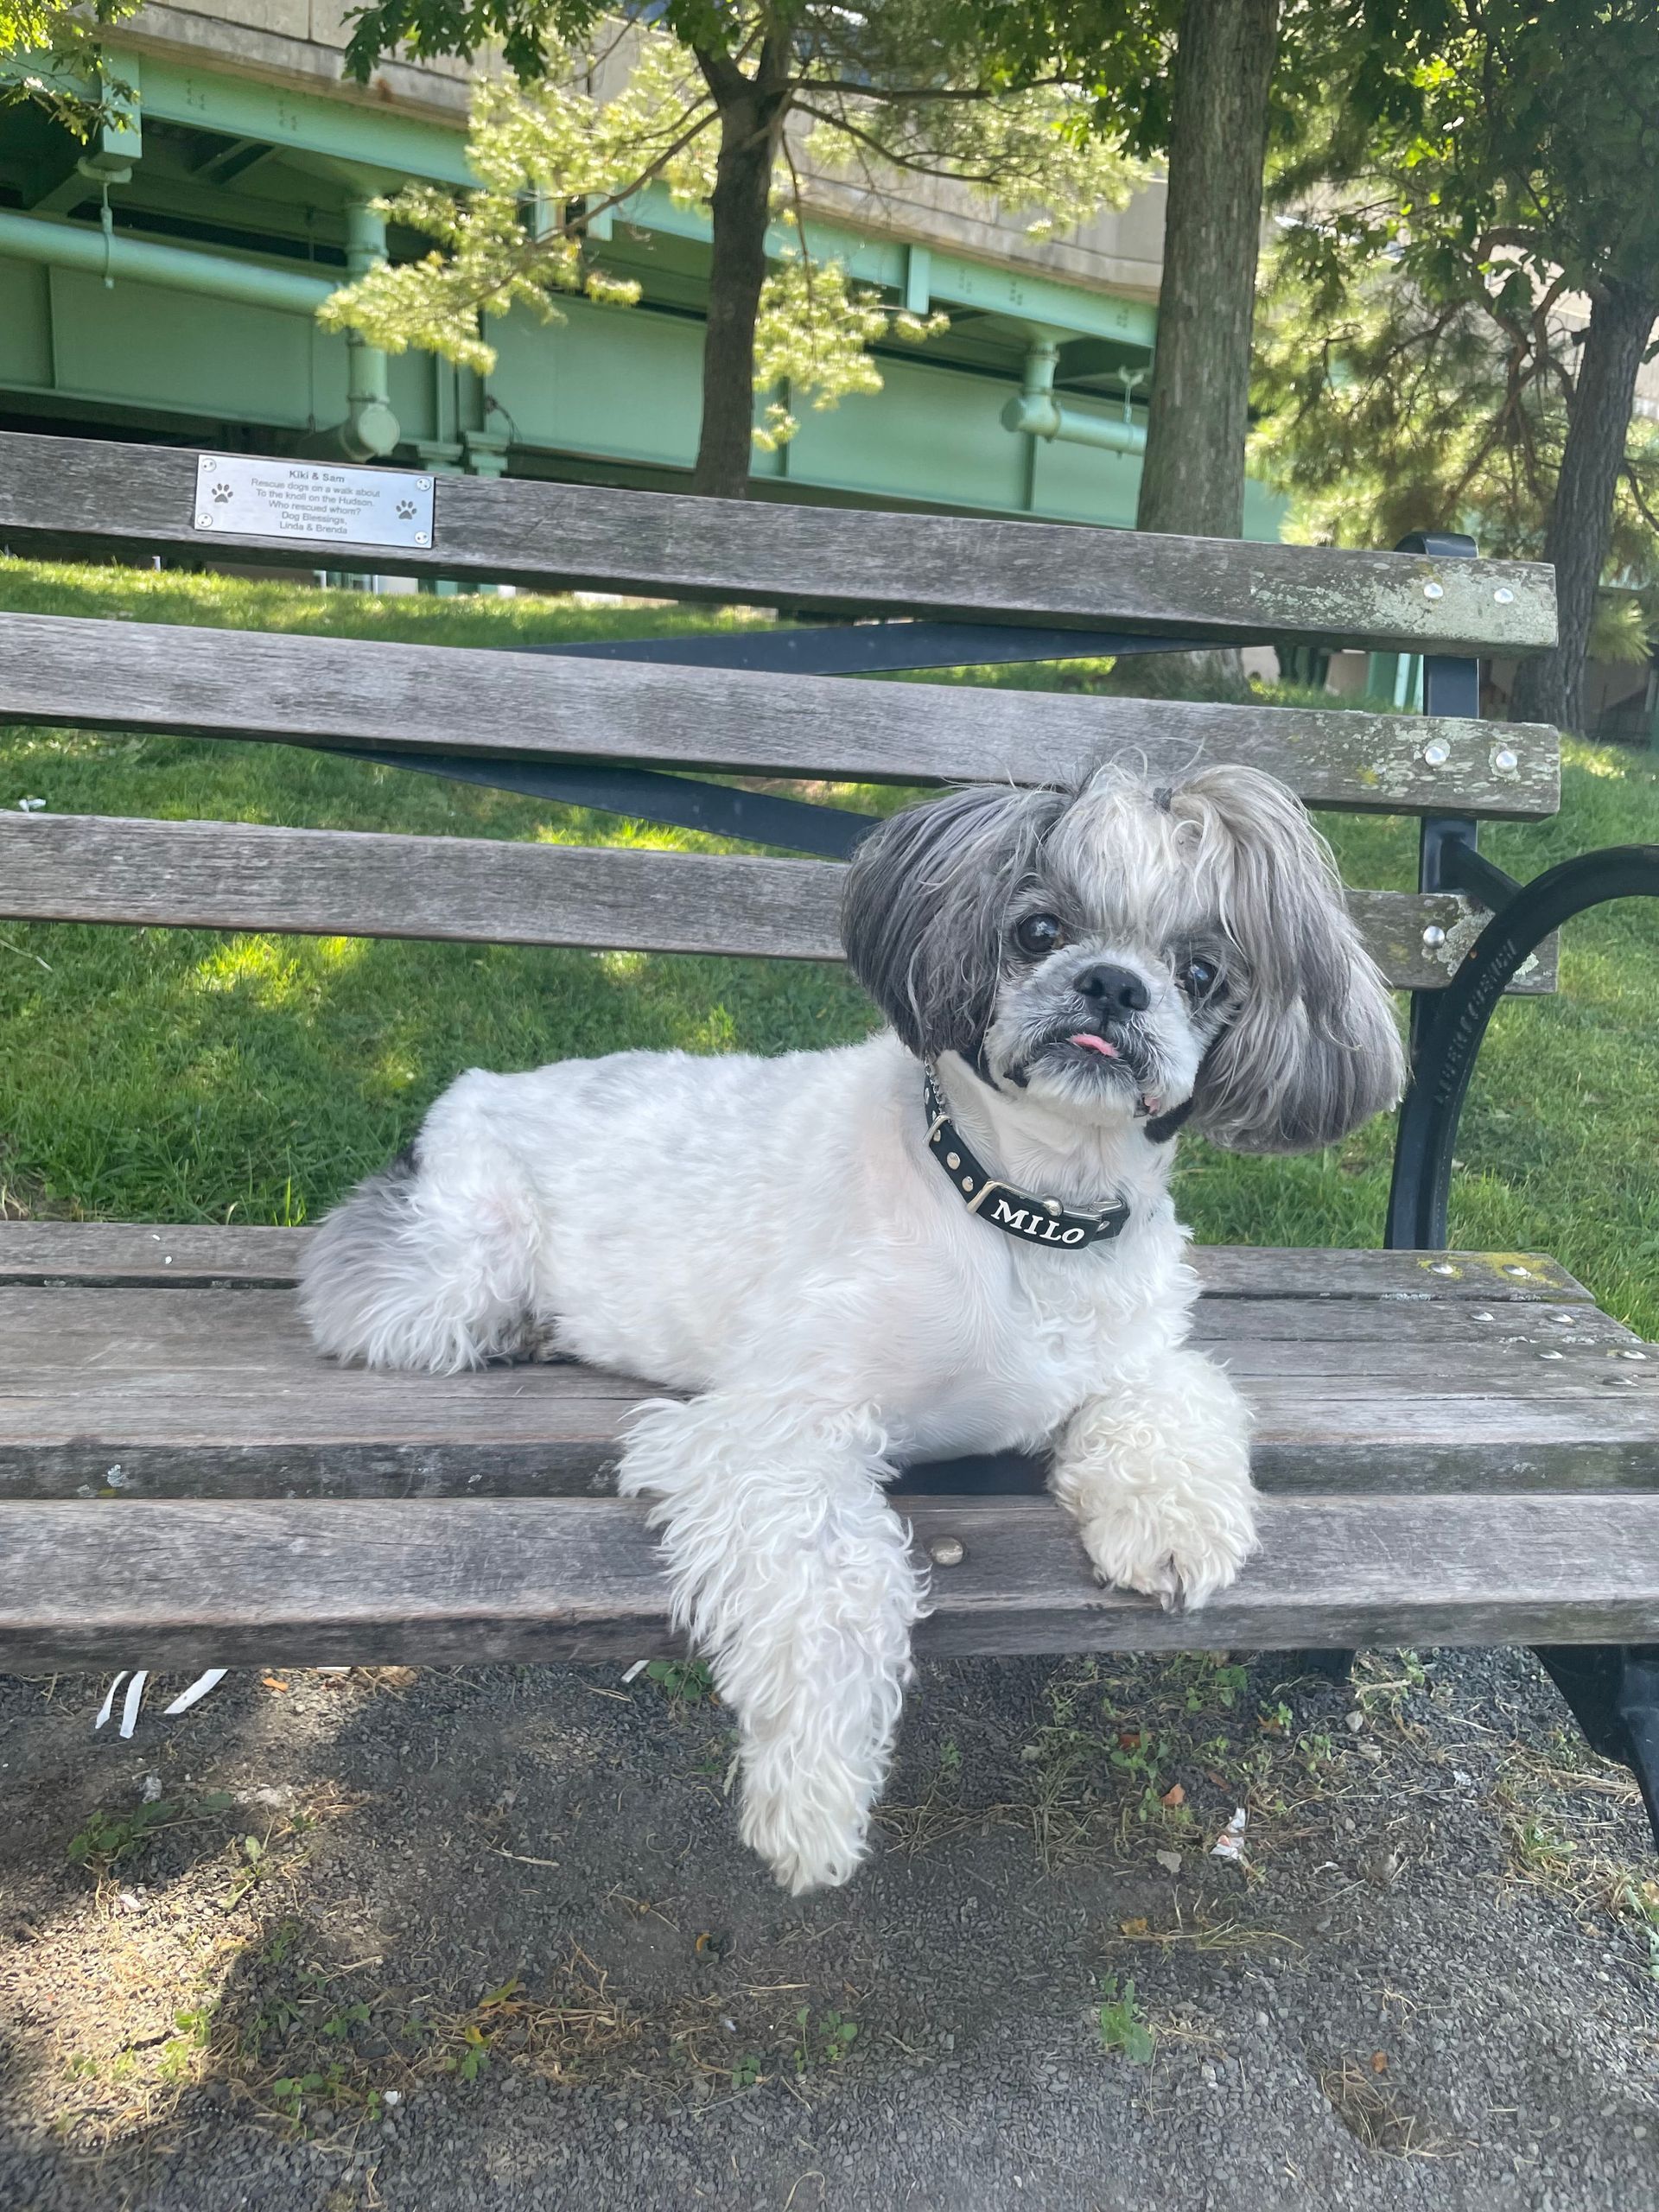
1174,1549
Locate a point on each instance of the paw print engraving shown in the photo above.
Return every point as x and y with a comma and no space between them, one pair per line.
222,493
405,509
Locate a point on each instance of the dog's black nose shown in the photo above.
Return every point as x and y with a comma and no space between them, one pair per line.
1115,991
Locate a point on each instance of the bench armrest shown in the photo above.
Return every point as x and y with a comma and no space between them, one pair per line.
1452,1038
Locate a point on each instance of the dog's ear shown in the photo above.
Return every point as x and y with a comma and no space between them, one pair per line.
1310,1049
925,904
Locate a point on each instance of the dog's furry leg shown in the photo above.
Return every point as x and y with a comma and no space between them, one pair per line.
1155,1466
793,1573
429,1264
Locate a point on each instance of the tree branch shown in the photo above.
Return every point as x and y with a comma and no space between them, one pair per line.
917,95
1627,470
913,164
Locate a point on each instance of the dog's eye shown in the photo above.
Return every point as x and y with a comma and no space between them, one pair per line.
1038,934
1200,977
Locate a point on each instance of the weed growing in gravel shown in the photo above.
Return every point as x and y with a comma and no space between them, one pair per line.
682,1681
1122,2026
1383,1696
1562,1815
1199,1929
110,1840
1137,1759
181,2053
323,2058
822,2042
1377,2118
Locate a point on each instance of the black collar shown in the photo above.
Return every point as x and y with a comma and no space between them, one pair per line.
1034,1221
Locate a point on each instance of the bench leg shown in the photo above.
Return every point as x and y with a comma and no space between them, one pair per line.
1613,1691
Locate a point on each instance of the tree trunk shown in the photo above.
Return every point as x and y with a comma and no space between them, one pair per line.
1193,480
751,118
1550,688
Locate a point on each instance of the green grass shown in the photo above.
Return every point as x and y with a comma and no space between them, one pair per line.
179,1075
119,595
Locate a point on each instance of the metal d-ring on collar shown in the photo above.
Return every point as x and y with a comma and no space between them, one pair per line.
1016,1213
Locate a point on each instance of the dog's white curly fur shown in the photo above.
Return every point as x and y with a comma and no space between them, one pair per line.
773,1235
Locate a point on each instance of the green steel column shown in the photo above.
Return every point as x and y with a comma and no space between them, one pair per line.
371,430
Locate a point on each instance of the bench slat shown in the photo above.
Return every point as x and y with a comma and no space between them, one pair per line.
1258,1329
247,684
216,1584
184,1255
248,1341
196,1391
960,567
484,890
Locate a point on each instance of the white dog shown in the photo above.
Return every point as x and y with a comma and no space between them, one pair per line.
851,1262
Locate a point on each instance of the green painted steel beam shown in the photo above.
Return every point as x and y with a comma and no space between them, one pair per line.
950,279
309,123
1025,298
399,145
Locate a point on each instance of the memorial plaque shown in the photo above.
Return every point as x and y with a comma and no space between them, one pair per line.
247,496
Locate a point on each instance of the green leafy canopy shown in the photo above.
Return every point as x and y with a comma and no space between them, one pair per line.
1440,241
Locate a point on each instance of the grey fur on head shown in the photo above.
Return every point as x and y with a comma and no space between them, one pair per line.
925,904
1299,1045
1312,1049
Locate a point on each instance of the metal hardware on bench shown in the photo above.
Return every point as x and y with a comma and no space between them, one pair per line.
1463,867
1450,687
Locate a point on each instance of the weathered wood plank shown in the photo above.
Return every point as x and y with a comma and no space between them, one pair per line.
200,1391
246,684
84,1340
91,1344
204,1584
475,890
64,1257
963,567
1408,1325
465,890
1286,1271
185,1254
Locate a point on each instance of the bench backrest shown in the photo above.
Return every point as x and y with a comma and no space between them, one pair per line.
587,724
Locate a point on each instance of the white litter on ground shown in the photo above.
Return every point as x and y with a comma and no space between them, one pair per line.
108,1705
1229,1844
135,1697
197,1691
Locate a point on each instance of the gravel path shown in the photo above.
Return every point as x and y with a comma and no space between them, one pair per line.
327,1966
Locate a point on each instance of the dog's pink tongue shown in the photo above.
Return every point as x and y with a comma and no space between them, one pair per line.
1090,1043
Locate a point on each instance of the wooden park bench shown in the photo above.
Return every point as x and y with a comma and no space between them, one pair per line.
1454,1448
